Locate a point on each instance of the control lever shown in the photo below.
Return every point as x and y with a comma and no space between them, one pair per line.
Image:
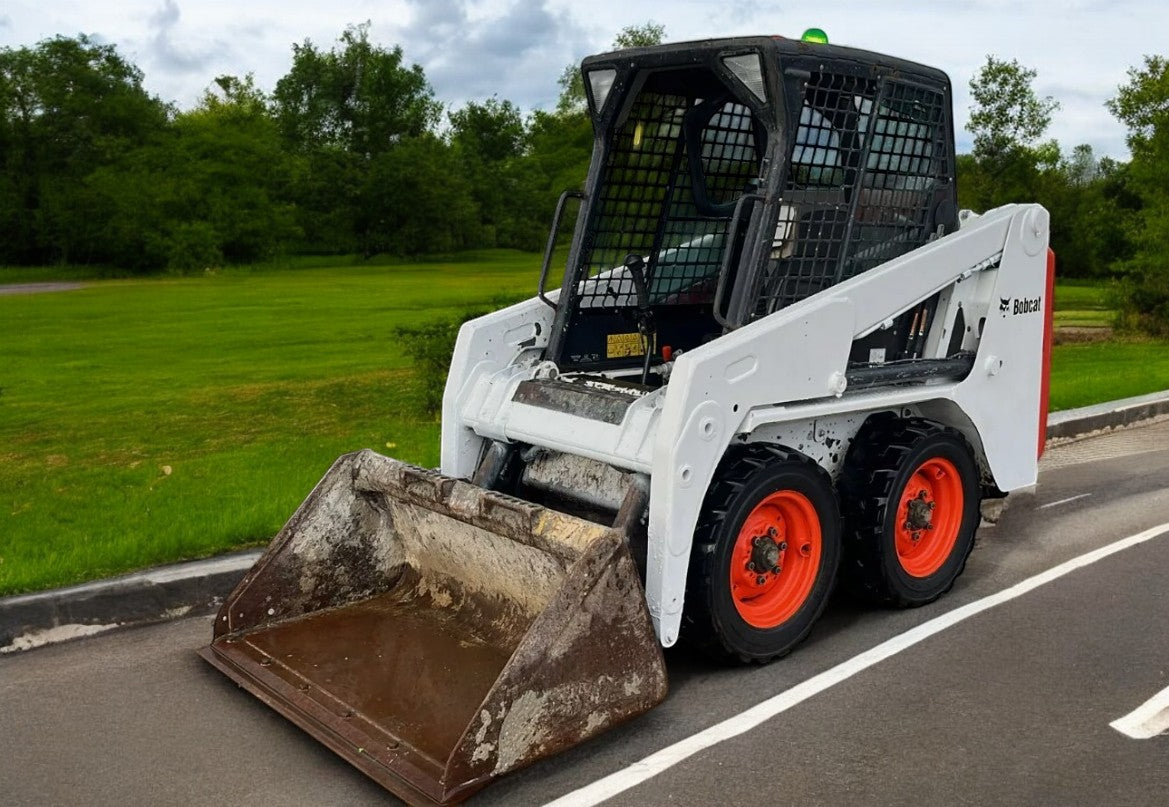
635,266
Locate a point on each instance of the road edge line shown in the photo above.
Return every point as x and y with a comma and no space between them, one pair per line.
1146,721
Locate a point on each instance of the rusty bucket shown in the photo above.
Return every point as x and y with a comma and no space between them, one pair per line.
436,634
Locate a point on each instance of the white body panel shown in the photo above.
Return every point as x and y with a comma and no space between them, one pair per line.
781,377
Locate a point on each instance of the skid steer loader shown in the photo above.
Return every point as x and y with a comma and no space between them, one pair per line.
779,352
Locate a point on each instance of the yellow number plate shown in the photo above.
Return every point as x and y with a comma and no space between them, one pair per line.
621,345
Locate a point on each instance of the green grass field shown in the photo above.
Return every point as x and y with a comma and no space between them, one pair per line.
1079,304
147,421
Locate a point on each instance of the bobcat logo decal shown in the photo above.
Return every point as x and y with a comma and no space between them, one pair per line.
1014,306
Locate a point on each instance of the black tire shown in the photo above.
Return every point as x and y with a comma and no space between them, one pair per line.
745,478
881,463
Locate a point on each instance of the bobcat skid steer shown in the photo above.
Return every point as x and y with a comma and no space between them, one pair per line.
778,356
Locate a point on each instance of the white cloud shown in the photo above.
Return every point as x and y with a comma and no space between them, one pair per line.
471,50
516,48
174,50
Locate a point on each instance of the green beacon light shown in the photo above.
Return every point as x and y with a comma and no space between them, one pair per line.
816,35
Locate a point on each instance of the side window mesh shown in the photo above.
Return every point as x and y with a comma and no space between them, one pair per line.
864,167
823,164
906,162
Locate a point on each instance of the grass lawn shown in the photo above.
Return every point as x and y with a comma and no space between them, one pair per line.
147,421
1082,304
1092,372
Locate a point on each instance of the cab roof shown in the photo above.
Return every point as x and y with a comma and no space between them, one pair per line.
787,51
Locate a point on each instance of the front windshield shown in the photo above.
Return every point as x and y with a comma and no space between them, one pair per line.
674,170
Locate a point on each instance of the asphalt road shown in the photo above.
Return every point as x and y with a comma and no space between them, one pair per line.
1011,706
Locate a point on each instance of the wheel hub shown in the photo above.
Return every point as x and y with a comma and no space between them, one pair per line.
919,514
930,517
771,577
766,553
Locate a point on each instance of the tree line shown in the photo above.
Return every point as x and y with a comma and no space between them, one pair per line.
1109,219
351,152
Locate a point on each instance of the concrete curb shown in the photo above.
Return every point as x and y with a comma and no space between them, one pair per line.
1087,421
153,595
198,587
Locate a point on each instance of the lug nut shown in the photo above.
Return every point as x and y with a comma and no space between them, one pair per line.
783,546
751,566
760,580
775,570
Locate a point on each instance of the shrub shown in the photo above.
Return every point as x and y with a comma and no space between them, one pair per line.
431,345
194,247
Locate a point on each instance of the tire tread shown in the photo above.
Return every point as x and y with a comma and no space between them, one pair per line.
866,489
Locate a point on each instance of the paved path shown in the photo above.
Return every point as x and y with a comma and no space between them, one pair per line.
37,288
1011,706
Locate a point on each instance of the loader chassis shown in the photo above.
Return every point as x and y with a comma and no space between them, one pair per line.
778,357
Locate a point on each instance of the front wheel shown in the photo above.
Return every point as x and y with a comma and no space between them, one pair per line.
765,555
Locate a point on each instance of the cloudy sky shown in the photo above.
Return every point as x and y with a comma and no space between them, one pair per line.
472,49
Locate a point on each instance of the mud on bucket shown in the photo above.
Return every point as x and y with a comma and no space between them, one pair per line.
435,634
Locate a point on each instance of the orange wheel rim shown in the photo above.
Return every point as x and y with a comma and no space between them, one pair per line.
776,559
929,517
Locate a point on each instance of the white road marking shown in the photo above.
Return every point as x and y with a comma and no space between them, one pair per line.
655,763
1062,501
1147,720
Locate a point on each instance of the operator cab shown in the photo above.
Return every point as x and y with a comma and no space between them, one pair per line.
732,178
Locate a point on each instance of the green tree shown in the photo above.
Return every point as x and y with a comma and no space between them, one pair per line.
488,140
67,106
1142,105
559,149
1083,195
238,170
1007,115
213,188
341,110
357,97
1008,120
415,204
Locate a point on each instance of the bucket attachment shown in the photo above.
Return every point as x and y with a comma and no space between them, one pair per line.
436,634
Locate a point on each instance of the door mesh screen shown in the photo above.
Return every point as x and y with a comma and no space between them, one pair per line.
648,204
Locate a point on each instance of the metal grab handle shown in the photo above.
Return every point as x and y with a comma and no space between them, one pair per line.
560,203
728,252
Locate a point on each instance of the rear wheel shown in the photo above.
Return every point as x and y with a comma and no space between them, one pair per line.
911,491
765,555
